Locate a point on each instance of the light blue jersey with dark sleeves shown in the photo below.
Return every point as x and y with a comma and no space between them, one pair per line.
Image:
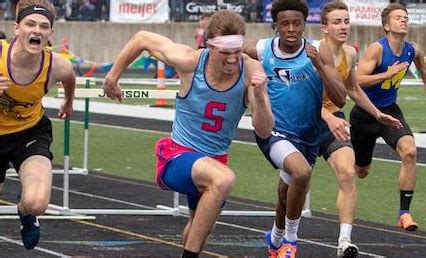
385,93
295,91
206,119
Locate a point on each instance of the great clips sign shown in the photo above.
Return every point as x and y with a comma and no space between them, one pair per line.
194,9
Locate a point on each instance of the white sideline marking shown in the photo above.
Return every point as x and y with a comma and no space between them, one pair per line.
6,239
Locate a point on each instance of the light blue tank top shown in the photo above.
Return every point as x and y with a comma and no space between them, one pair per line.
295,91
206,119
385,93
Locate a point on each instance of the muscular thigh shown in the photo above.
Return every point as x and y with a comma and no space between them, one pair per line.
364,131
391,135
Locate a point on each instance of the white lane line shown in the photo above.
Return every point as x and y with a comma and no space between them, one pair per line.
6,239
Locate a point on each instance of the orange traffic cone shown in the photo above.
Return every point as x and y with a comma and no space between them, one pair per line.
160,83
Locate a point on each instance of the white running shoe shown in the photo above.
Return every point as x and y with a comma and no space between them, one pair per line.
346,249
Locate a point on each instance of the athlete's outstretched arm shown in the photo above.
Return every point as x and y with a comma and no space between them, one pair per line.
249,47
361,99
183,58
257,97
419,61
324,63
372,59
62,71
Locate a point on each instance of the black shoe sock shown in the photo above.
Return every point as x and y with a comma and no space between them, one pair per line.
189,254
405,199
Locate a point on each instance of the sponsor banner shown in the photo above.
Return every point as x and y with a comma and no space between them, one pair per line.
194,9
315,7
366,12
266,16
416,13
139,11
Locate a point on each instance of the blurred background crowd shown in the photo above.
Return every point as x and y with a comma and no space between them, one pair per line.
179,10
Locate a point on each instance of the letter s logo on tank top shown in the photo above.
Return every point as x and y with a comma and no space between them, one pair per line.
217,120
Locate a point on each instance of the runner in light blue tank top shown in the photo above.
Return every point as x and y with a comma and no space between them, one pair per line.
216,85
295,91
297,74
206,119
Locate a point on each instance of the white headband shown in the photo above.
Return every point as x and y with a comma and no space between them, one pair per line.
227,42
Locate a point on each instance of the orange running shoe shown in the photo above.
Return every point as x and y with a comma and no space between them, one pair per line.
288,250
407,222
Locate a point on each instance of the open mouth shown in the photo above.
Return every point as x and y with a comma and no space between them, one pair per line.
35,41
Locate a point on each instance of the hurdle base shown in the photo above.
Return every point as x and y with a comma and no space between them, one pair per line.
11,172
52,212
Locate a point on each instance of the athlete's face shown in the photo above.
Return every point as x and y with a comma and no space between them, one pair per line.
290,26
33,32
397,22
337,27
227,59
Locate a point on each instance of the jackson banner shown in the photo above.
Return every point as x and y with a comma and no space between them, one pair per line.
139,11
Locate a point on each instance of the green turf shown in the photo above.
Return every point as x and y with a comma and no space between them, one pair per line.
130,153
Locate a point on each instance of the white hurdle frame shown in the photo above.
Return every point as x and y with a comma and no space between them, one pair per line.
176,209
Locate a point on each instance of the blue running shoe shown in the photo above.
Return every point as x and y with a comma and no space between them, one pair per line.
272,250
30,229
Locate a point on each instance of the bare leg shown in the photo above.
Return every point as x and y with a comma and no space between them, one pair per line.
215,181
342,161
407,151
300,171
36,179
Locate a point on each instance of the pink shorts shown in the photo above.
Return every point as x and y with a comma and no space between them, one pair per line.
166,150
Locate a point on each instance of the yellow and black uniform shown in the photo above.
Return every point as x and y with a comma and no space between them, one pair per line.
24,130
20,105
343,69
328,143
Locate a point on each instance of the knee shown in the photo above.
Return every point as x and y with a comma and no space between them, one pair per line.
347,176
224,183
409,155
35,207
362,172
301,177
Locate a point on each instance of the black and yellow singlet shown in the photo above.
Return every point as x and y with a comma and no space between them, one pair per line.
343,70
20,105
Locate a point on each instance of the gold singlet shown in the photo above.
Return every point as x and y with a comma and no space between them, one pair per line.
20,105
343,70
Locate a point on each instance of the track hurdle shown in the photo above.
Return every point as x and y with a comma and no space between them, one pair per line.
88,93
176,209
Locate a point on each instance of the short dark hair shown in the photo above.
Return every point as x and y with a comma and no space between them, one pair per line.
2,35
289,5
329,7
389,9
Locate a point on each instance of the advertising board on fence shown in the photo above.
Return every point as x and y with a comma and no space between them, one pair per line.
139,11
366,12
194,9
416,13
